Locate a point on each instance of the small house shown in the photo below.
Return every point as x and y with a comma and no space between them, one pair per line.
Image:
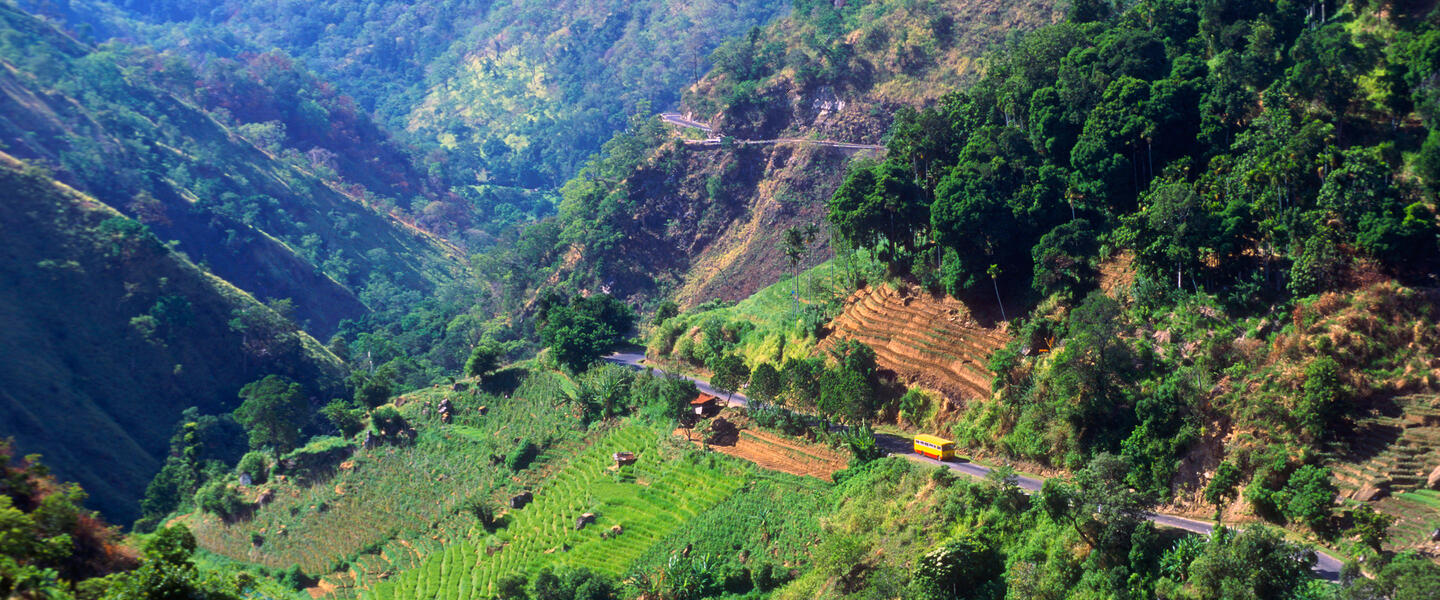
705,405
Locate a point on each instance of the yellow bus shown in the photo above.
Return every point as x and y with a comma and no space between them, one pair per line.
934,447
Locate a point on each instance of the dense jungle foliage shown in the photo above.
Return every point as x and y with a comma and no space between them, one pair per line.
1239,157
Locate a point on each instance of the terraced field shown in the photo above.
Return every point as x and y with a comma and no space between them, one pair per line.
1387,463
1419,516
1393,453
386,509
927,340
666,487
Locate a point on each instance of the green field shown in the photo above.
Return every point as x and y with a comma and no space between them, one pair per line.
388,508
667,486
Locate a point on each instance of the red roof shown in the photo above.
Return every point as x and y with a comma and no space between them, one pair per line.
703,399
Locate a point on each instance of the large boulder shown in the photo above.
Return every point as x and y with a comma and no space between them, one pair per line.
1371,492
1433,481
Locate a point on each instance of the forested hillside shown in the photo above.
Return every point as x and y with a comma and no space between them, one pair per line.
123,124
1210,232
654,217
514,93
1165,271
111,334
1246,159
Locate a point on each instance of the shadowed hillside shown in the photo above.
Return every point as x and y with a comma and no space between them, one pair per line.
110,335
271,225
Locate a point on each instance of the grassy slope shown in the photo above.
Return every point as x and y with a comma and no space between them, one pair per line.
80,384
770,319
418,492
666,487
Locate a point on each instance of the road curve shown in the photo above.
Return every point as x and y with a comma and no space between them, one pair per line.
1326,566
636,361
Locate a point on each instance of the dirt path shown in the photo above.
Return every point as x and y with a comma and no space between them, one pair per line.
770,451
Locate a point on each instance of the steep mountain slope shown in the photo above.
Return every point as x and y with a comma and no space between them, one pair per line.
509,92
842,69
658,217
272,226
110,335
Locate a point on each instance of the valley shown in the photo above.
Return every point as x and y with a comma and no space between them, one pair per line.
511,300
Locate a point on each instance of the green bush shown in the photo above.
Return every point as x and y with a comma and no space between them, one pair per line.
964,567
348,419
256,466
387,420
1320,397
1307,496
217,497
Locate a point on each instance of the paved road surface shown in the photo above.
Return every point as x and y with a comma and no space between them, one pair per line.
636,361
1327,566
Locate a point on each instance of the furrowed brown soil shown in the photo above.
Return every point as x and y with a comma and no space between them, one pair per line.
776,453
927,340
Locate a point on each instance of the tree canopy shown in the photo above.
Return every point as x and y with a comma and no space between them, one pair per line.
272,412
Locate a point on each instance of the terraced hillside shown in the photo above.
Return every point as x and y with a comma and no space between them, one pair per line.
635,506
926,340
375,513
1393,453
1389,462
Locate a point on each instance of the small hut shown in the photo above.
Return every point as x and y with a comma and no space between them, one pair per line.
705,405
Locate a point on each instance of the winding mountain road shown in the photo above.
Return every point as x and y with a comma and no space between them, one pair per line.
636,361
1326,567
683,121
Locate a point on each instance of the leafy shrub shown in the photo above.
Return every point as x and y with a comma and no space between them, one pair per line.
914,406
964,567
1308,495
483,359
217,497
375,389
256,466
295,578
484,513
387,421
862,445
1269,477
1221,489
1320,397
348,419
